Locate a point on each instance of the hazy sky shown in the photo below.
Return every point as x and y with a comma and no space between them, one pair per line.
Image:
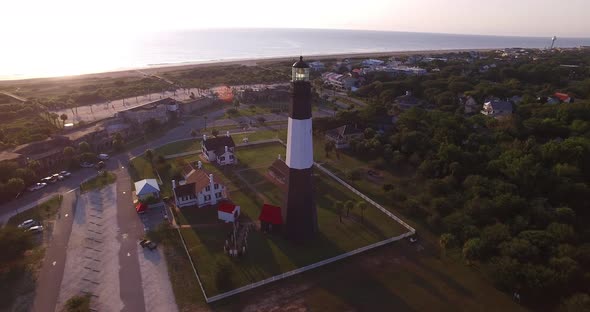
566,18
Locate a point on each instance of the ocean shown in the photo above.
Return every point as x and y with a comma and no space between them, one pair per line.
95,54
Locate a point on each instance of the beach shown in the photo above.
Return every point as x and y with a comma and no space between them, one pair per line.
165,68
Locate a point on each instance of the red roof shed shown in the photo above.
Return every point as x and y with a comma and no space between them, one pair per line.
141,207
271,214
226,207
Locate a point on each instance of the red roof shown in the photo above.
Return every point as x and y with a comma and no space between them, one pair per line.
226,207
271,214
141,207
562,96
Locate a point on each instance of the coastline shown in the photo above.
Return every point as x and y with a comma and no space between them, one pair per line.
171,67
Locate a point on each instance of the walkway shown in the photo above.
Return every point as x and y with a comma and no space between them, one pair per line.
16,97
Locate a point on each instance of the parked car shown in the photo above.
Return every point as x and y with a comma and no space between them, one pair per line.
86,165
49,179
103,156
36,229
65,174
145,243
57,177
36,186
27,224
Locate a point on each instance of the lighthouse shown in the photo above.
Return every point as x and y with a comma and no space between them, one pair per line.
299,212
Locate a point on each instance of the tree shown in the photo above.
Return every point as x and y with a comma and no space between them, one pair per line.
27,175
472,250
15,186
362,205
149,154
34,165
63,118
339,207
54,118
194,133
69,152
118,143
261,120
445,241
215,132
328,147
83,147
349,204
578,302
13,243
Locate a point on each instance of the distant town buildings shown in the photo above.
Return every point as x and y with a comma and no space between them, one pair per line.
338,81
497,109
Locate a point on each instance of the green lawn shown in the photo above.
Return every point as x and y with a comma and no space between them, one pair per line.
98,182
270,254
43,212
179,147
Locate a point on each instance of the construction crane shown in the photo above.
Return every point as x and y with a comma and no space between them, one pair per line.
553,42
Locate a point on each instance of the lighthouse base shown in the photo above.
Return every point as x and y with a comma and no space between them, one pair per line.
299,211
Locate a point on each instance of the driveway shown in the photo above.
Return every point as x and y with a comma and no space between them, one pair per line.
55,256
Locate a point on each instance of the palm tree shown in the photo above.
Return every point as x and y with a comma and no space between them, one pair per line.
149,154
349,204
63,117
445,241
362,205
339,207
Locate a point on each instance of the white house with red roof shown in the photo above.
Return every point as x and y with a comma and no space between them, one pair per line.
228,212
199,188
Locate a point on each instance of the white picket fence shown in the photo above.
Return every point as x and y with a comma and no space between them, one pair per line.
411,231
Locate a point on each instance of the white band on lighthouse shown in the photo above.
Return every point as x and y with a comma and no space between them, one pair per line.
299,144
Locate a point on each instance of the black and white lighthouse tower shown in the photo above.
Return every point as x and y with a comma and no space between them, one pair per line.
299,212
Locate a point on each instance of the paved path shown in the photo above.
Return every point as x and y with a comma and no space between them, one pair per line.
131,230
16,97
55,257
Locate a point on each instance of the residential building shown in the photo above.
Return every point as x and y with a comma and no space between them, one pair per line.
160,110
563,97
279,171
263,95
338,81
198,189
219,150
371,62
316,66
497,109
407,101
228,212
95,135
49,152
147,188
342,136
470,105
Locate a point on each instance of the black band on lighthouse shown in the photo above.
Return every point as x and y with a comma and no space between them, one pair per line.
300,106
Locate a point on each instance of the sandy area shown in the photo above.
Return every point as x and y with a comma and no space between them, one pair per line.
245,62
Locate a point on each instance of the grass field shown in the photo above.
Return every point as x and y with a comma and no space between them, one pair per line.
98,182
43,212
270,254
179,147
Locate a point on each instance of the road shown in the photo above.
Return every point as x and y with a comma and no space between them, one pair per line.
55,256
16,97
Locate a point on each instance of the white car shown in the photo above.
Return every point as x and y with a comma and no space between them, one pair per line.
27,224
103,156
36,229
36,186
65,174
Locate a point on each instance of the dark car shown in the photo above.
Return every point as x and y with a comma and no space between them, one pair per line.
145,243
